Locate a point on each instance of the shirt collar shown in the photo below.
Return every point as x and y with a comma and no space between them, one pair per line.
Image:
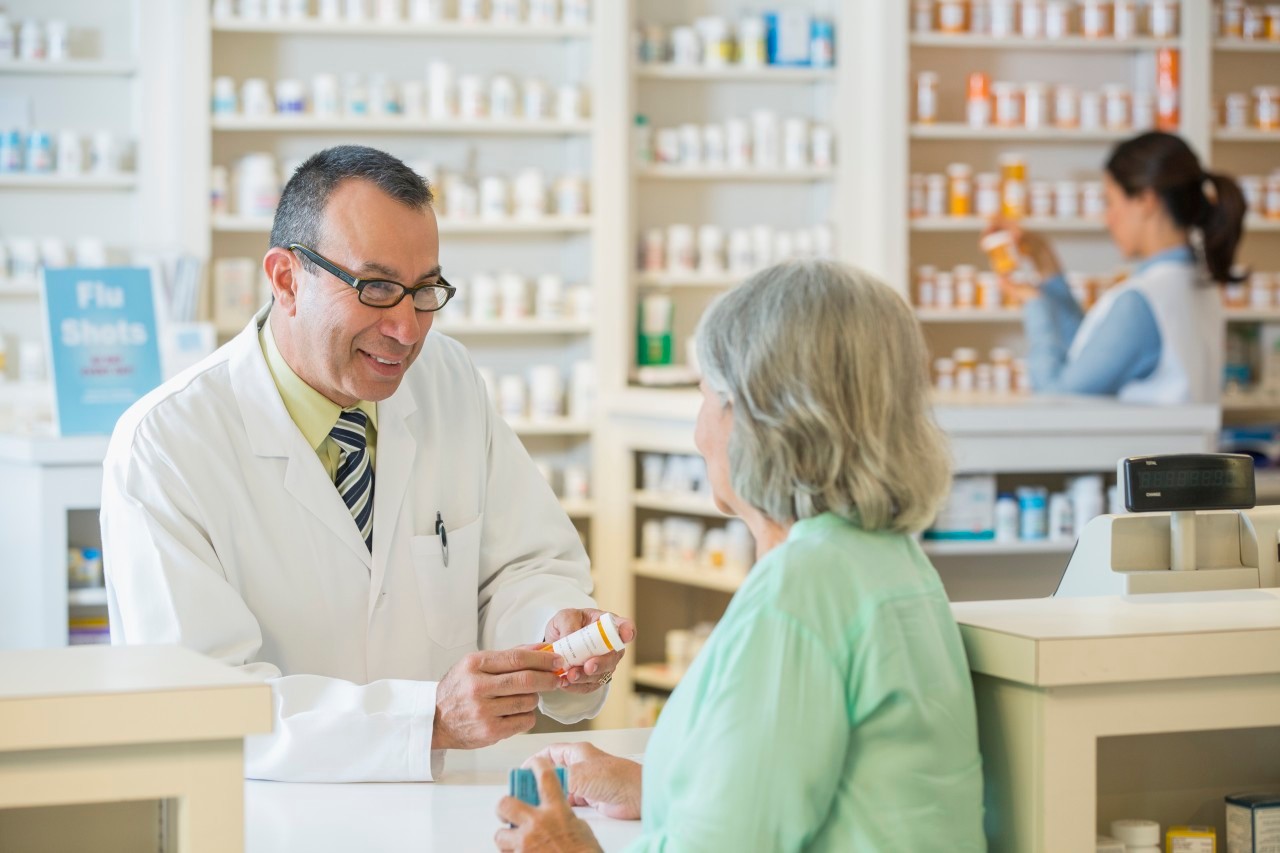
1178,254
314,413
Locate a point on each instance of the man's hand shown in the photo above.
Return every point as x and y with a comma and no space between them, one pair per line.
607,783
490,696
549,827
593,672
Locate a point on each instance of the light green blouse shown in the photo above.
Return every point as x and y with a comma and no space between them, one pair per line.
831,709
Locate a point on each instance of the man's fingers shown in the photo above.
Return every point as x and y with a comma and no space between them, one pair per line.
506,706
517,683
518,660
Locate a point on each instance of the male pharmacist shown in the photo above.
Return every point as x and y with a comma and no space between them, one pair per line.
331,503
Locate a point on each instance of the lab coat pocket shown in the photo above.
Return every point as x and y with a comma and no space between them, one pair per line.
449,593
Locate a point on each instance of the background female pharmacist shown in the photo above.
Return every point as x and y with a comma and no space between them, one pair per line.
1157,336
832,707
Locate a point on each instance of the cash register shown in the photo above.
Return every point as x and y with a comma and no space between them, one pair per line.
1192,526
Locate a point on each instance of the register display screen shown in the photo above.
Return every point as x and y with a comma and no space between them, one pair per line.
1188,482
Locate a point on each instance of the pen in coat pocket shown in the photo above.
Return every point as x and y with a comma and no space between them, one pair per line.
444,538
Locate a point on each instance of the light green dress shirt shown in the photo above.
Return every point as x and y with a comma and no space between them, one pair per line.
314,413
831,709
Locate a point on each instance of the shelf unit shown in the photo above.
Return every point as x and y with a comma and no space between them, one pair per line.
564,245
70,67
1070,44
398,124
67,182
955,132
733,74
437,30
1237,65
687,575
677,504
686,173
969,315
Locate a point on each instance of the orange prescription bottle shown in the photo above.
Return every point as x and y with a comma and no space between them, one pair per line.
1002,251
959,190
1013,186
1168,114
978,110
598,638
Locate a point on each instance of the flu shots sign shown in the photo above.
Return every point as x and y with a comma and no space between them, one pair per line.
103,344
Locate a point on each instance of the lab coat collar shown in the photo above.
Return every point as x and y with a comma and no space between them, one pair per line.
273,434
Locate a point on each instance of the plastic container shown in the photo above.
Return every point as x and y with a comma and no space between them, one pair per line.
927,97
1033,19
1033,513
1095,19
1164,18
1057,19
1117,107
953,16
944,372
1013,187
1136,833
1066,107
966,360
959,190
978,104
1008,100
1002,252
1124,22
1266,107
987,195
1168,75
1035,105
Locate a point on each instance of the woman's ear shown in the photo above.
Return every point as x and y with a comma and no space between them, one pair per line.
281,269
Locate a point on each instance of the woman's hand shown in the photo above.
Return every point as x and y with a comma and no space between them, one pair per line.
608,784
550,827
1030,244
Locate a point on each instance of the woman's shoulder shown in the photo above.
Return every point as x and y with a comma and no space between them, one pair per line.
830,563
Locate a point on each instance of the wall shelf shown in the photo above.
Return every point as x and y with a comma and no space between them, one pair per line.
1252,401
657,676
578,509
737,73
956,131
1248,134
687,575
1070,43
969,315
1251,315
398,124
648,279
550,427
73,67
514,329
958,224
400,29
481,227
677,503
1260,223
55,181
688,173
87,597
1233,45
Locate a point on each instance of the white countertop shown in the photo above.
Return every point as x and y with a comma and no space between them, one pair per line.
454,815
101,695
1073,641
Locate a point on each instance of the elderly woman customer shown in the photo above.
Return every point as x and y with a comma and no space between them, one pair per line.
831,708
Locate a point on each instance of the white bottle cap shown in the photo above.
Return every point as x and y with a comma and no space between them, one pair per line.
1136,833
610,630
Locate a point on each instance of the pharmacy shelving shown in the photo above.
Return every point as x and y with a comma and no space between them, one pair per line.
1069,44
693,575
514,328
443,29
656,676
956,132
550,225
399,124
1252,402
969,315
550,427
577,507
1259,224
70,67
1269,137
975,224
686,173
677,504
1227,45
734,73
1251,315
694,280
55,181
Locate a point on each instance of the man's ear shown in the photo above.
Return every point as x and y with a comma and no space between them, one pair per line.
282,271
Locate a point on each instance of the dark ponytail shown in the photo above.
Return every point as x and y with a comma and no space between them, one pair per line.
1194,198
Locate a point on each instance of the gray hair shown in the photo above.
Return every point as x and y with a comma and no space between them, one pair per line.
300,215
827,373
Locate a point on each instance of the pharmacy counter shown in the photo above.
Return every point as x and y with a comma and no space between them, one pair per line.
1092,709
457,813
140,748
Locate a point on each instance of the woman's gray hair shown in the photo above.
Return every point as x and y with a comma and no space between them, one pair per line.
827,373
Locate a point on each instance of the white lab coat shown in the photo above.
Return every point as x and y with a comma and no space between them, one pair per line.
222,532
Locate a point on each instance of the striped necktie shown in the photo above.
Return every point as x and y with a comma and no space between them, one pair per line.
354,478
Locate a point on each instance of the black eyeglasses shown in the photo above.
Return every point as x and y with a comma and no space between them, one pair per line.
379,293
